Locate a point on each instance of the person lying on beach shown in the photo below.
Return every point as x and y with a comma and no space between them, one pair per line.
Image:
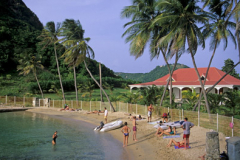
178,144
125,130
67,109
168,131
99,111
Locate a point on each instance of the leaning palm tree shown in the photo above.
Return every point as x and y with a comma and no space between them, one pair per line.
29,62
219,30
140,32
49,36
181,18
77,49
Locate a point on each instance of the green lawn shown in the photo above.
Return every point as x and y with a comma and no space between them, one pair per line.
85,96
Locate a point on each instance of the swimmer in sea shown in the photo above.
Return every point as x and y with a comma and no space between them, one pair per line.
125,130
54,137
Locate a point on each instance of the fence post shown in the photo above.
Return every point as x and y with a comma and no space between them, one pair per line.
23,100
198,118
39,102
119,106
62,103
168,109
81,105
182,114
127,107
145,109
217,121
6,99
72,103
110,108
100,105
53,103
90,106
136,108
179,115
232,127
14,100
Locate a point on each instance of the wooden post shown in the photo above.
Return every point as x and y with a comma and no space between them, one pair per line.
232,127
100,105
23,100
217,122
136,108
14,100
53,103
127,107
81,104
72,103
198,118
90,106
6,99
39,102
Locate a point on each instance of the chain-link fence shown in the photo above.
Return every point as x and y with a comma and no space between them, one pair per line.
214,121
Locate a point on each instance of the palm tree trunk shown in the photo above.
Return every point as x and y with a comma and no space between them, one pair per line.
38,84
75,83
100,76
204,92
99,86
60,79
210,62
169,79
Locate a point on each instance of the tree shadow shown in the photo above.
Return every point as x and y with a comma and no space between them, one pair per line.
144,138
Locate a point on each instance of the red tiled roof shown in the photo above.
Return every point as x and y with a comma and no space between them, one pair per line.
188,76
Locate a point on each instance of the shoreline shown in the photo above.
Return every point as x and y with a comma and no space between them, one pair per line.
148,145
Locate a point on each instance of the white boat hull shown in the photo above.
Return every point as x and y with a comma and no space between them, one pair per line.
110,126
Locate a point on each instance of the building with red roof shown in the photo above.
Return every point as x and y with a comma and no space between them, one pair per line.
187,79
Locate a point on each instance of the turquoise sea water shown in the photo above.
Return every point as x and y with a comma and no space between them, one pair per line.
25,135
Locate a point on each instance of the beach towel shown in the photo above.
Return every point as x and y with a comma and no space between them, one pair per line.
176,147
171,136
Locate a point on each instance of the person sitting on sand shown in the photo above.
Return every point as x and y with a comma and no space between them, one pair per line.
125,130
178,144
54,137
164,117
67,109
168,131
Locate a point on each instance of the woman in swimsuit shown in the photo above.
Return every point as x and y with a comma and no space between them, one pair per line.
54,137
125,130
178,144
168,131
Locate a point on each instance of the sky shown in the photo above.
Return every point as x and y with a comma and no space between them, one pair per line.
102,22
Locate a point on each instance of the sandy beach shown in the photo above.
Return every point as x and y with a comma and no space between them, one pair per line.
148,145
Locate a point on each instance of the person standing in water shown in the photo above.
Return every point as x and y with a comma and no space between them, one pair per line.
105,115
134,129
54,137
125,130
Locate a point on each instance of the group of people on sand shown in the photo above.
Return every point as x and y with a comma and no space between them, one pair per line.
126,130
186,126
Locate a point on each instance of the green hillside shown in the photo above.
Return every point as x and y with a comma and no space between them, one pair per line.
19,32
156,73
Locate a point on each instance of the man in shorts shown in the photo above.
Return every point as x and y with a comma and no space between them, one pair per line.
150,110
186,131
105,115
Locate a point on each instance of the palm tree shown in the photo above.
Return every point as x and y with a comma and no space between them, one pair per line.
29,62
89,87
232,10
140,32
181,17
77,49
49,36
151,95
218,30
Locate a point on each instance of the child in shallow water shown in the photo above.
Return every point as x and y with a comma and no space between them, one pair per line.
125,130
